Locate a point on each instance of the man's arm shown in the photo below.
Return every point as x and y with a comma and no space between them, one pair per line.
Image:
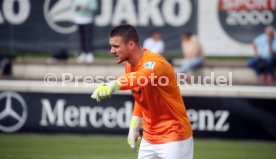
256,53
136,124
137,110
270,46
134,137
129,81
126,82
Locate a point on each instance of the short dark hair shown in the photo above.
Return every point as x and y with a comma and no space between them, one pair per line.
154,31
128,32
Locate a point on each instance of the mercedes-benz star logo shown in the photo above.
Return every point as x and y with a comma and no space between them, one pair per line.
59,16
13,112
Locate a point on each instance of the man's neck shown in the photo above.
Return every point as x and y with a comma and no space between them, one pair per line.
136,56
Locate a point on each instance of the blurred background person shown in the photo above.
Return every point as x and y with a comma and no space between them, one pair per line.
84,11
192,52
265,55
154,43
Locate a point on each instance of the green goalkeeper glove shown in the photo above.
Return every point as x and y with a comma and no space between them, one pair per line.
134,138
104,92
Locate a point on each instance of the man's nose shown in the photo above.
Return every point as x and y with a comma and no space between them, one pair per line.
112,51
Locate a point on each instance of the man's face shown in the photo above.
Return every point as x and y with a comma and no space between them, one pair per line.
119,49
156,36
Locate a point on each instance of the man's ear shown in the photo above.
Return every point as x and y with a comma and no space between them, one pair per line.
131,44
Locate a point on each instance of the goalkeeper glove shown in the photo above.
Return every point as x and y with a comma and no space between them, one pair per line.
134,138
103,92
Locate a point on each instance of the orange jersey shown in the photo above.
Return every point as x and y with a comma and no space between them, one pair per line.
158,102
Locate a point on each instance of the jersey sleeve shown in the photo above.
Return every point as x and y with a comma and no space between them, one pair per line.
147,75
137,110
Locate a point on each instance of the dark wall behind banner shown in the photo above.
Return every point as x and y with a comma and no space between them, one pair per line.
215,117
46,25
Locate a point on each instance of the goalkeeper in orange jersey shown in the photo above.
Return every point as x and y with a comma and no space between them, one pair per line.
159,109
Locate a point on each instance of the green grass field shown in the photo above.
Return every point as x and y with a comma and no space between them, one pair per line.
115,147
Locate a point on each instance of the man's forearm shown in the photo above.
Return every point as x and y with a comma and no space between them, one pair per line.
255,50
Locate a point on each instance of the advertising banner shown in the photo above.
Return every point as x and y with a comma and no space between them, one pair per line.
47,25
215,117
225,27
228,27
